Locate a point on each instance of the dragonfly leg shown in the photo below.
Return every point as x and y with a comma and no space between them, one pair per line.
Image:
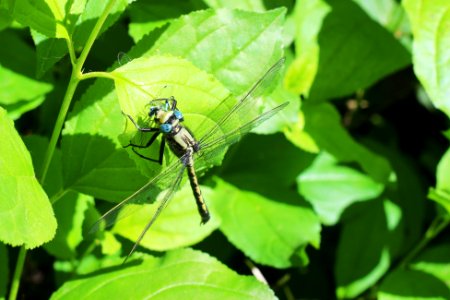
142,129
148,144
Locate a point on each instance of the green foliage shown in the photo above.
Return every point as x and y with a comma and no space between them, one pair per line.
22,200
326,199
179,274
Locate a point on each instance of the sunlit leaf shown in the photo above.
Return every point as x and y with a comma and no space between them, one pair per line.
269,232
97,165
177,226
25,210
17,63
215,42
323,125
186,274
331,188
430,21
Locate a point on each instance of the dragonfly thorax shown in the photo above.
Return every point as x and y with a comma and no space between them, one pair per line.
179,138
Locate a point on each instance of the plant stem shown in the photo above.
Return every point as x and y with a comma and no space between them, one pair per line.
17,274
73,83
75,78
435,228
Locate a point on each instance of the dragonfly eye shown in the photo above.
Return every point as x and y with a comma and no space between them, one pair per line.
165,128
178,114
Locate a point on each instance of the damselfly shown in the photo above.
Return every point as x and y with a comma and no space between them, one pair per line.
168,120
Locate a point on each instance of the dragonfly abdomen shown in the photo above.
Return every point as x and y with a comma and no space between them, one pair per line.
201,204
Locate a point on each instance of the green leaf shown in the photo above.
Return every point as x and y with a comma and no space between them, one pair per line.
5,15
359,265
441,194
41,15
323,124
69,211
251,5
147,16
214,41
430,21
70,207
197,94
77,20
269,232
308,17
37,146
48,50
348,40
98,165
411,284
16,72
177,226
389,13
435,261
25,211
180,274
331,188
4,271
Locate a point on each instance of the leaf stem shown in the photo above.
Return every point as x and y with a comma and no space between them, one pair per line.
17,274
97,75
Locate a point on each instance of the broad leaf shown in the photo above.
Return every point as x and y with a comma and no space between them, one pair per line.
69,211
25,210
146,16
323,124
181,274
435,261
177,226
75,20
430,22
269,232
196,92
41,15
348,40
16,72
308,17
97,165
331,188
388,13
412,284
251,5
359,265
215,42
442,192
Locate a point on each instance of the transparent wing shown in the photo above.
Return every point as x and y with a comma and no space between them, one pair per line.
210,150
245,110
166,180
168,194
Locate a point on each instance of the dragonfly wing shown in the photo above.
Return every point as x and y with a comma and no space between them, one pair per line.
245,109
146,194
209,150
168,194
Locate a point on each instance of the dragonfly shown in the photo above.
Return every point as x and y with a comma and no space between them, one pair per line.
189,151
